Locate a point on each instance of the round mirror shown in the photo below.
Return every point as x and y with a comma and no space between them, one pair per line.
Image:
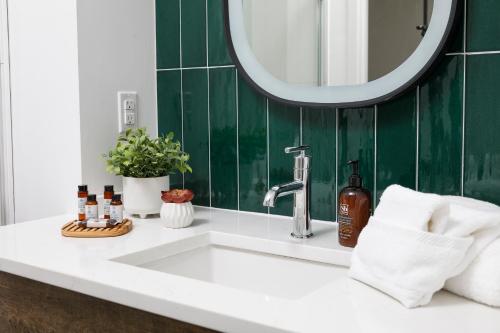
336,52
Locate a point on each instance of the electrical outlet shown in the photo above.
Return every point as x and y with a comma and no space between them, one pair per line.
129,104
129,118
127,110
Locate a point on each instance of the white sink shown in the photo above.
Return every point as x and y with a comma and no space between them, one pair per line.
280,269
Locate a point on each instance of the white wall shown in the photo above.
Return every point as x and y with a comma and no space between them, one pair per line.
6,178
68,60
2,129
45,106
116,52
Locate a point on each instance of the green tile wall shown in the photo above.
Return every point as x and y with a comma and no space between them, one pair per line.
317,132
284,130
223,138
168,34
441,136
396,143
252,148
356,141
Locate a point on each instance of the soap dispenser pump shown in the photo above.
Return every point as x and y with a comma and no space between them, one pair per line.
354,208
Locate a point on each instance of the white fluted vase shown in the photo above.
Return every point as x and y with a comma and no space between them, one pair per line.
177,215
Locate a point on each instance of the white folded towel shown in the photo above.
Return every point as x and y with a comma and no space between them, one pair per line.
480,281
415,242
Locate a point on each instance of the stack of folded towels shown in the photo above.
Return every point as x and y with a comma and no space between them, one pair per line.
417,243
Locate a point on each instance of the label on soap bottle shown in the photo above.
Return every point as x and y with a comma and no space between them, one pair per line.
116,212
345,222
106,208
91,212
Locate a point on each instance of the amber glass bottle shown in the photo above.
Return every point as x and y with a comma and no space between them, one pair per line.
116,208
108,196
82,200
354,208
91,211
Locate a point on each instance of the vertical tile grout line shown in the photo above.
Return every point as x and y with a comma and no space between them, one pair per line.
375,148
237,141
417,143
462,169
206,33
208,109
267,148
209,141
301,142
182,88
336,162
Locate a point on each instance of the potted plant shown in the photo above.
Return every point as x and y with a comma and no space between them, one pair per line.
145,165
177,210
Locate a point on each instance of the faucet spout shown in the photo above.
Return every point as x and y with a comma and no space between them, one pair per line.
280,191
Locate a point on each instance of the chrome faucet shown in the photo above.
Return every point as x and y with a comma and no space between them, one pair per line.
300,187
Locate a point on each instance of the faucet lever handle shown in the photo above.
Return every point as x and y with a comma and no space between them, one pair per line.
298,149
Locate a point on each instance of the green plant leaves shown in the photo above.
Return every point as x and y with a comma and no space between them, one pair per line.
137,155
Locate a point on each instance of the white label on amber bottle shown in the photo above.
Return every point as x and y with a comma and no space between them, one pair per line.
116,212
81,205
107,203
91,212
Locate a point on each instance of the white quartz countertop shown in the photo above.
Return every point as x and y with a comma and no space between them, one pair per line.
37,250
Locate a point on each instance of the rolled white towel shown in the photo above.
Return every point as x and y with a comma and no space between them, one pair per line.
414,243
420,211
480,281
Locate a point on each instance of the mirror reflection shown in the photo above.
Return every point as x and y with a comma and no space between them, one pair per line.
334,42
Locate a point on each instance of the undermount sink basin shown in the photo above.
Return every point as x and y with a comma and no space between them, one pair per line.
273,268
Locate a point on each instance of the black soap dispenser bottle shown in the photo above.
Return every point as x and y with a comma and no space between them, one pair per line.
354,208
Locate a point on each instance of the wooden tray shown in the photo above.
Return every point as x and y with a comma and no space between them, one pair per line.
72,230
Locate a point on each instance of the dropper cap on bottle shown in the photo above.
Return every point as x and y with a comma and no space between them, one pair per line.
355,179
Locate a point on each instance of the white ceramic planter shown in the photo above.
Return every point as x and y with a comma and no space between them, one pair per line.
177,215
142,196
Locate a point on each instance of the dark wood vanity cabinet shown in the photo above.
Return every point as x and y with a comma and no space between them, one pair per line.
30,306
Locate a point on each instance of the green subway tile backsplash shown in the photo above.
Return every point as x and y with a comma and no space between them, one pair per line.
318,131
223,138
440,128
456,42
167,34
284,131
396,142
170,110
169,102
236,136
356,135
252,147
196,135
483,27
217,50
482,144
193,33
